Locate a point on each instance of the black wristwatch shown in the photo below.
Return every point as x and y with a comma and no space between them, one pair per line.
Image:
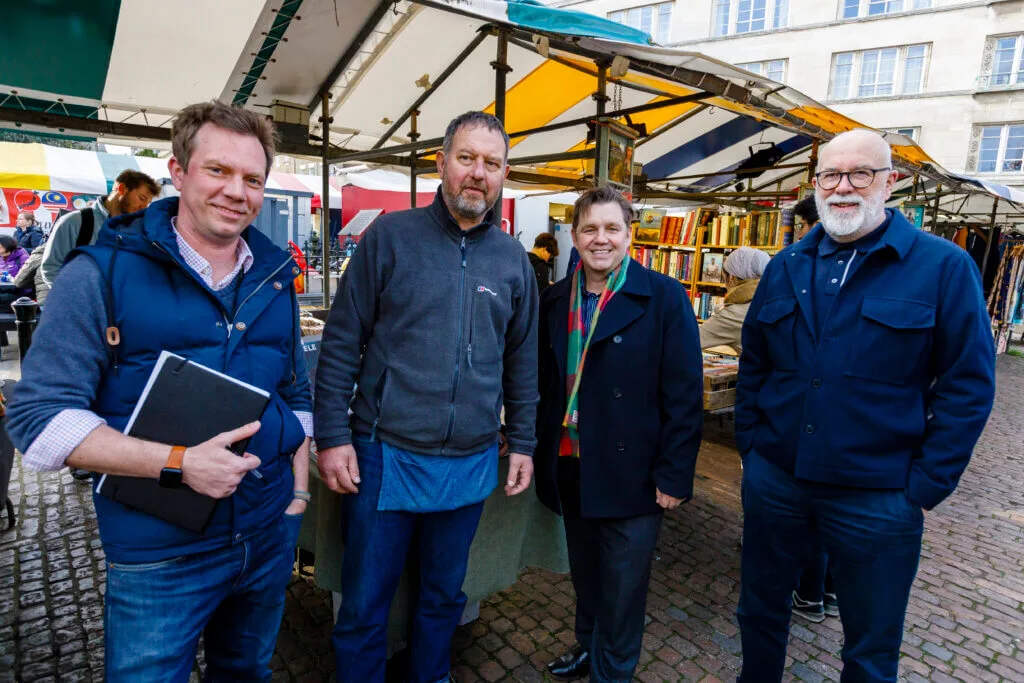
170,475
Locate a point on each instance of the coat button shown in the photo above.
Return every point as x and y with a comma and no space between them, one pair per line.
278,286
296,270
238,537
620,445
617,394
809,429
816,383
617,339
239,326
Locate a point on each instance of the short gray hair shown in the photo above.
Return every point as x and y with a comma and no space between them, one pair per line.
473,119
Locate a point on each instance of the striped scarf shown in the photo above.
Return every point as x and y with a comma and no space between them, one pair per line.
569,446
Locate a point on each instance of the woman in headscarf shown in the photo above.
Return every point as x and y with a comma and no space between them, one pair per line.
743,269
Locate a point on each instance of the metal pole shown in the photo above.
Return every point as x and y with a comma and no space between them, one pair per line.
601,96
935,209
25,319
913,194
812,163
325,197
501,70
414,136
988,244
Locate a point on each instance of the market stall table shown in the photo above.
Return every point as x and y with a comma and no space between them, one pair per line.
514,533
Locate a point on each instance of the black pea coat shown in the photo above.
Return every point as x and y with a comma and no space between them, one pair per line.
641,397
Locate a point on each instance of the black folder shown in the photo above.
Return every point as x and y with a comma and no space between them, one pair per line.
183,404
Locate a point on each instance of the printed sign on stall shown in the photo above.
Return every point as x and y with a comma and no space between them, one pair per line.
45,205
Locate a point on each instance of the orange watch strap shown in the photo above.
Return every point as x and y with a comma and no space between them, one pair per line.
175,458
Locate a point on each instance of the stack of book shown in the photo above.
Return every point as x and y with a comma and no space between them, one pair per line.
755,229
677,264
705,305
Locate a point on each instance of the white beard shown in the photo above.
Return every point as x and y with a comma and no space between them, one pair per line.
843,224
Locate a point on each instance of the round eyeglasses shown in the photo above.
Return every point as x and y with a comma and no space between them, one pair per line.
859,178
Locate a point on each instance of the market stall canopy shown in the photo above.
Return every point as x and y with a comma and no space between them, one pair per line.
135,63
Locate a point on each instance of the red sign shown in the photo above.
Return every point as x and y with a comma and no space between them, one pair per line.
45,205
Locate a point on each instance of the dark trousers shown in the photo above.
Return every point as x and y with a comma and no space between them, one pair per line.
376,546
873,539
610,561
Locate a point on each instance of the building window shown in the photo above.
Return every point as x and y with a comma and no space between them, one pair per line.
912,132
1006,55
1001,149
879,73
774,69
851,9
747,16
654,20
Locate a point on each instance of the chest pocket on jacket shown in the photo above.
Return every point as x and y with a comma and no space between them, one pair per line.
490,307
893,339
777,320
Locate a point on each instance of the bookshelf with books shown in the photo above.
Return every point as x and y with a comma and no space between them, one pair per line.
692,249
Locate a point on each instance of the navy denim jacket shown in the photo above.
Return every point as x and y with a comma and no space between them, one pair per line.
894,391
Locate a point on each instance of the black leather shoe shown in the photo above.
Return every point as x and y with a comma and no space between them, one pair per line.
572,665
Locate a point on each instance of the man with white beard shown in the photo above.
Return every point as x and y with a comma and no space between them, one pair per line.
866,378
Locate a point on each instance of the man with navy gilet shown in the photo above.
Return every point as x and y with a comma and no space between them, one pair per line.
191,276
436,320
867,376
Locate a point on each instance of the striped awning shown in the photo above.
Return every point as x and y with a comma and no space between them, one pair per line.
34,166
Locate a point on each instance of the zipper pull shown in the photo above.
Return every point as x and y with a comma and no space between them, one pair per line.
463,251
469,354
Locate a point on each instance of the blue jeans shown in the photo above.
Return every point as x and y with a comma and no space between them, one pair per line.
376,546
873,540
155,611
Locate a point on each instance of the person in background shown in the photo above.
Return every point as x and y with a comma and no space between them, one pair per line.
867,376
28,279
815,596
12,259
619,428
133,191
743,269
805,216
27,232
545,248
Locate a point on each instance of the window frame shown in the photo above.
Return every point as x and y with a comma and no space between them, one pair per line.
774,18
915,132
657,32
763,68
855,82
864,8
1015,77
1001,149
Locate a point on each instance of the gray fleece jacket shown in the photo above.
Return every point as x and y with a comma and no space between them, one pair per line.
433,329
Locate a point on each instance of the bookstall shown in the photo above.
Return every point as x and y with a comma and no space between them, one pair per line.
692,249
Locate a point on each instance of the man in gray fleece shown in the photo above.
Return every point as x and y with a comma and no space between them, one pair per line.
433,330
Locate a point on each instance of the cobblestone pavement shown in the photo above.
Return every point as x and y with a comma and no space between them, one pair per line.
965,620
